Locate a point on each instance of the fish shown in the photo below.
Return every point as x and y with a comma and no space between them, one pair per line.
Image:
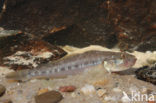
76,64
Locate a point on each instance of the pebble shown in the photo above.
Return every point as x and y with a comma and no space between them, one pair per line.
88,89
101,92
67,88
49,97
2,90
117,90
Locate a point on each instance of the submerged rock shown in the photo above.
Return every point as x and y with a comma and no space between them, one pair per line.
131,23
147,73
49,97
22,50
67,88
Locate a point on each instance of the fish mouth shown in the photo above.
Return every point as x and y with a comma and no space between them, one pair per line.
131,62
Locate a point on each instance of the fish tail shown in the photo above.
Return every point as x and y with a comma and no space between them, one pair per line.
21,75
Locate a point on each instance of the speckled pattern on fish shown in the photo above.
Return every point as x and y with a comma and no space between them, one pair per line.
77,63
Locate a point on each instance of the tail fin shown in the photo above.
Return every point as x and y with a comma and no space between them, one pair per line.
18,75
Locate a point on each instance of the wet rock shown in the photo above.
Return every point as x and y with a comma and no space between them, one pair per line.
49,97
136,29
147,44
2,90
20,50
90,32
88,89
147,73
41,25
67,88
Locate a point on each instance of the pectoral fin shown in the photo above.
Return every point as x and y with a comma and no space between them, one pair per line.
105,64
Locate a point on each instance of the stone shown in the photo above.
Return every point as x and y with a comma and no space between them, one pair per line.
21,50
49,97
88,89
101,92
67,88
2,90
147,73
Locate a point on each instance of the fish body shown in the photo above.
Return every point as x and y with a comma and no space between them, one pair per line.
74,64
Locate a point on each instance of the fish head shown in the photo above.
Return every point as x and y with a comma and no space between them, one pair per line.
120,62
